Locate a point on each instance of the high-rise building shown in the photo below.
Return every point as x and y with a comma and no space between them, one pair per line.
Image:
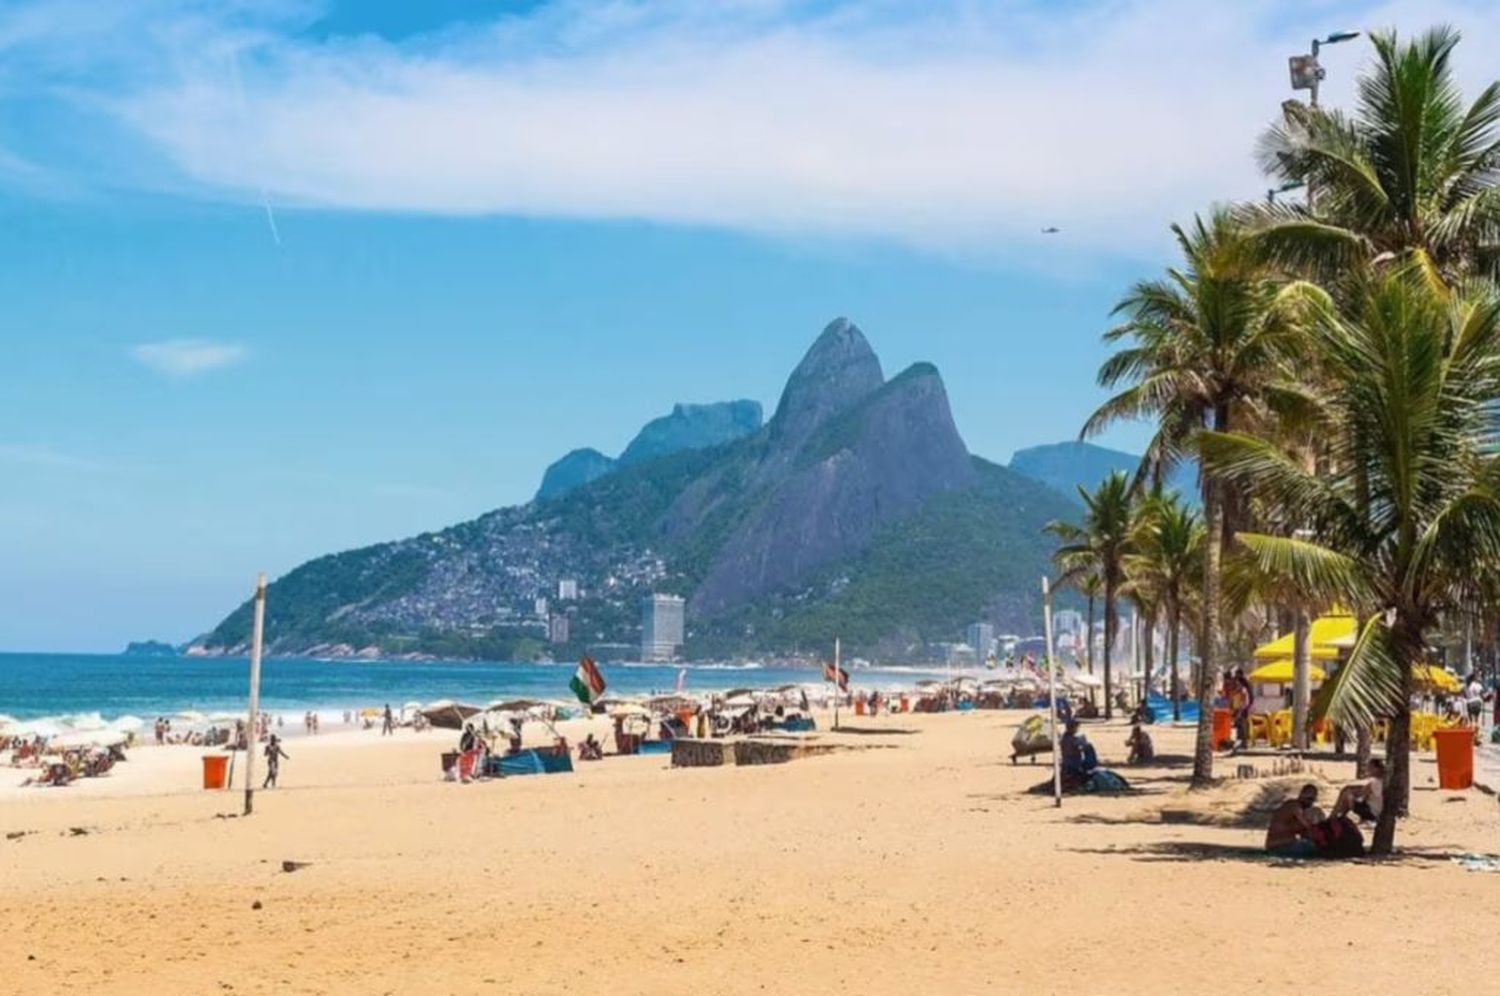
981,636
661,627
567,589
557,628
539,608
1067,621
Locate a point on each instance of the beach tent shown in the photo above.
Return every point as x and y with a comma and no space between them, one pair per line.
512,705
449,715
1282,673
1326,636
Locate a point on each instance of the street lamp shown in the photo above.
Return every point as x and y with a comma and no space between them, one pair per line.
1306,73
1289,185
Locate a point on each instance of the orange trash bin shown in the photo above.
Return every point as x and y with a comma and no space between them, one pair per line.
1455,757
215,767
859,706
1223,726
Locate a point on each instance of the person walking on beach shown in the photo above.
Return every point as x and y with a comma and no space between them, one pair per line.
274,755
388,722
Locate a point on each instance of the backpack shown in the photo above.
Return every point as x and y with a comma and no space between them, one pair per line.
1337,838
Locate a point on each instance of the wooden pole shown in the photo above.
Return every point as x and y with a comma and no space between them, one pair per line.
1052,692
257,634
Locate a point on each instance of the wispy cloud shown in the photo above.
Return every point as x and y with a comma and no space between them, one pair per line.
944,124
187,357
34,456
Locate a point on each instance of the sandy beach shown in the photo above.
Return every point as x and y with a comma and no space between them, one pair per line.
914,861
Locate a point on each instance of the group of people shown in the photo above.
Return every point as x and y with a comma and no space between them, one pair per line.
1299,830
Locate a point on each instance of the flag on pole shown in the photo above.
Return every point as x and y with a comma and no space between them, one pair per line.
837,675
681,678
587,683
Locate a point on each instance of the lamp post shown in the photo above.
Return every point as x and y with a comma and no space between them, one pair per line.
1307,74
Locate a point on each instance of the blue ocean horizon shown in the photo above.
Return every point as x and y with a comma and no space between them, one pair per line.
35,686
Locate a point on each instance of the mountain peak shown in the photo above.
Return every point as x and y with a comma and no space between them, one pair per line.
838,370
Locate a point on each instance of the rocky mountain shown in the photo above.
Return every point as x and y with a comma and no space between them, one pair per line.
1067,466
572,470
855,511
686,427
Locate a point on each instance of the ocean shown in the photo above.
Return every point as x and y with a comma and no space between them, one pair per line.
34,686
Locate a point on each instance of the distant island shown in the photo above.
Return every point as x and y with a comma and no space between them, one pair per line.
149,648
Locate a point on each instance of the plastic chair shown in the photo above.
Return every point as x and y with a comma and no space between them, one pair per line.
1281,728
1259,729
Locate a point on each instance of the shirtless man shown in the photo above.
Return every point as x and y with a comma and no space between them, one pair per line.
1290,825
1364,799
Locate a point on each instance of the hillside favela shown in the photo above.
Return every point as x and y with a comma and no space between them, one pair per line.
652,497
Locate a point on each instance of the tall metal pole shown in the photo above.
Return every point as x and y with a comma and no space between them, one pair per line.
257,634
836,675
1052,692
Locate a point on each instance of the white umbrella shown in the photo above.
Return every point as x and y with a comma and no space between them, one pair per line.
87,721
128,724
191,717
6,721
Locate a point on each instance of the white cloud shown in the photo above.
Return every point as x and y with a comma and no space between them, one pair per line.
187,357
40,457
944,124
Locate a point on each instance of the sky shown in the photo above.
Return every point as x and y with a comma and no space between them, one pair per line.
289,277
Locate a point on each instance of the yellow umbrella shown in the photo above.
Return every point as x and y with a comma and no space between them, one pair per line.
1280,673
1435,678
1324,632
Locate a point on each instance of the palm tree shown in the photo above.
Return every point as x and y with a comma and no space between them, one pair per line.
1090,586
1409,508
1204,352
1168,560
1099,545
1411,176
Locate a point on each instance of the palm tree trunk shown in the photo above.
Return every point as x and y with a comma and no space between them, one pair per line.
1363,748
1301,676
1408,640
1109,640
1088,637
1148,632
1203,749
1174,620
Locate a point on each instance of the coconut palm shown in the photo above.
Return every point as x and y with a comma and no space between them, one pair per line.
1203,352
1409,507
1413,175
1099,544
1090,586
1168,560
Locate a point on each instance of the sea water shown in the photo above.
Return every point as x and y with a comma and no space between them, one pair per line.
34,686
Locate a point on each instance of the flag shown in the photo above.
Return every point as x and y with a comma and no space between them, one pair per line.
837,675
587,683
681,678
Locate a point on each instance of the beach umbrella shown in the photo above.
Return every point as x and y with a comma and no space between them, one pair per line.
6,721
191,716
1429,677
734,692
1087,680
449,714
128,724
86,721
1281,673
514,705
1325,637
626,709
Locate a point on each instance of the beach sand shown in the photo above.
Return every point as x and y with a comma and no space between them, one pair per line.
913,862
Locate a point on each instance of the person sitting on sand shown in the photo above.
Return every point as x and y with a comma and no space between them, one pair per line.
1142,751
1291,823
591,749
1364,799
1078,757
274,754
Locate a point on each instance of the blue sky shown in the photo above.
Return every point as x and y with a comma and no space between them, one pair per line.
289,277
